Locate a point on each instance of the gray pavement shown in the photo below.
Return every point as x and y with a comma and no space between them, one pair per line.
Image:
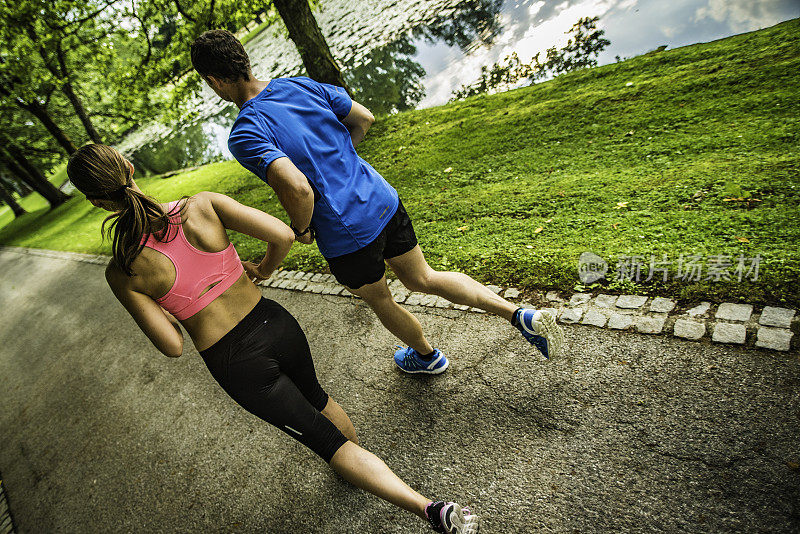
100,433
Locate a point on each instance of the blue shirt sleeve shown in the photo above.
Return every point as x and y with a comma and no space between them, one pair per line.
337,98
252,147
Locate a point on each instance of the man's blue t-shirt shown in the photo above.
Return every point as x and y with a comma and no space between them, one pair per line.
299,118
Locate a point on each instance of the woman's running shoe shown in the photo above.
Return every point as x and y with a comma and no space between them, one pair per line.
410,361
540,329
451,518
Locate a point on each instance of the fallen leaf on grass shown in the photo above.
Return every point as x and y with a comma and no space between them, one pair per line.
538,230
448,169
549,220
621,205
742,239
614,226
463,228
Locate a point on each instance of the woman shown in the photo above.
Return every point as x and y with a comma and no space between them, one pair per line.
173,264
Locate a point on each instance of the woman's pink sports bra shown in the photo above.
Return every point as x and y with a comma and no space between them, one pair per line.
195,270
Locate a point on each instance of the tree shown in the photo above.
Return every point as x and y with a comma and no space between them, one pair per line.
314,51
9,85
55,31
16,162
7,197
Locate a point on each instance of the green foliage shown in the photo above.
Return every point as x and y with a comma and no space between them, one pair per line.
633,158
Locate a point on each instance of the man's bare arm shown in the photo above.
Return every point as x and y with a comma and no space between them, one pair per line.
293,190
358,122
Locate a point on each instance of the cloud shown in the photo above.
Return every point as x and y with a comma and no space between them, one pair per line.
743,15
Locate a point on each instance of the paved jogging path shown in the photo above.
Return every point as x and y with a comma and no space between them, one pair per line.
100,433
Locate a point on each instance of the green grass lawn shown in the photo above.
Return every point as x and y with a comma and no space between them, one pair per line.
635,158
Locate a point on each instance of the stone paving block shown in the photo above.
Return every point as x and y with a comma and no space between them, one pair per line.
415,298
553,295
332,289
315,287
594,318
461,307
571,315
688,329
300,285
511,293
734,312
317,277
442,302
700,309
283,283
729,333
619,321
774,338
281,274
477,310
328,278
605,301
579,298
662,305
650,325
772,316
308,276
631,302
428,300
399,294
495,289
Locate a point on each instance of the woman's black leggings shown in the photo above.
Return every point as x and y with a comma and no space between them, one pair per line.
265,365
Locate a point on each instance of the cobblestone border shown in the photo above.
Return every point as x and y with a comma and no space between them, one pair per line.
731,323
6,519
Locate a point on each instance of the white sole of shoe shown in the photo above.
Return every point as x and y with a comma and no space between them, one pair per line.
463,524
553,333
438,371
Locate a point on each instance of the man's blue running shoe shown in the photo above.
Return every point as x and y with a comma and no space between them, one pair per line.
540,329
410,361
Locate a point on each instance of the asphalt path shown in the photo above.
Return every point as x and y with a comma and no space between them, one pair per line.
626,433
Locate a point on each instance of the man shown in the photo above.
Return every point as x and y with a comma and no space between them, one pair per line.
299,136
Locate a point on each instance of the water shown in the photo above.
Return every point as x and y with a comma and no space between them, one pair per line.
405,54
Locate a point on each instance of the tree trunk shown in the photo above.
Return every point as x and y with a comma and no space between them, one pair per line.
38,111
77,105
81,112
18,164
8,198
304,31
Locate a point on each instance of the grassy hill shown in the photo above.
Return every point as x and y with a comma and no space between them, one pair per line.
639,158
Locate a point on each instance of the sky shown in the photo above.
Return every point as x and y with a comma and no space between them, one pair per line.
633,27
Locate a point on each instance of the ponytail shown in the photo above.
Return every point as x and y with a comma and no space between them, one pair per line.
141,215
101,173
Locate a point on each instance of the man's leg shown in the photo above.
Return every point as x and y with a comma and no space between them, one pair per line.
394,317
417,275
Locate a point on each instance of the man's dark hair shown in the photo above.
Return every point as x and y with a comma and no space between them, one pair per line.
219,53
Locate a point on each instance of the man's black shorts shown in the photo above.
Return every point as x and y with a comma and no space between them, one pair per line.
365,265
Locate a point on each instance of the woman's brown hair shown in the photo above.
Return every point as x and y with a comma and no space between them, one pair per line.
101,173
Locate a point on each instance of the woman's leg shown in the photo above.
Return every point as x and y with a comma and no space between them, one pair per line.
338,417
366,471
